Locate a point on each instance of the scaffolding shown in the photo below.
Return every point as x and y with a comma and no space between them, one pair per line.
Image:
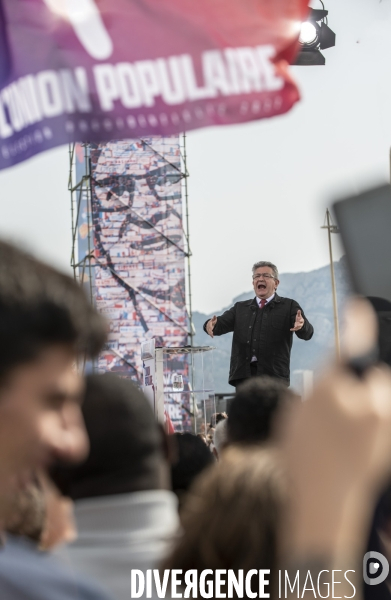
79,186
83,259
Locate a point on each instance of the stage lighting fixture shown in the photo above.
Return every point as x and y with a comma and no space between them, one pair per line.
308,33
315,35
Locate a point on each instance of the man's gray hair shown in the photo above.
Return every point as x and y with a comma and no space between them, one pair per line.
265,263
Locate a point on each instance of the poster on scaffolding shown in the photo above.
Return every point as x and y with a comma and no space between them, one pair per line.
139,251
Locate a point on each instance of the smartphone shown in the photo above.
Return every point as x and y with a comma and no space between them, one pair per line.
364,222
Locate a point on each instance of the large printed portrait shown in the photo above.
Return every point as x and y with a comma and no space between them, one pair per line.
139,273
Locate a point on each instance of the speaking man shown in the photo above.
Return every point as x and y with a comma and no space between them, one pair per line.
263,329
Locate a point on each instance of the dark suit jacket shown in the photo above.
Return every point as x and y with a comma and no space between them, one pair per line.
262,333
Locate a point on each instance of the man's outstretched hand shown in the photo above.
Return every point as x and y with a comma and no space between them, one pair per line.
211,325
298,323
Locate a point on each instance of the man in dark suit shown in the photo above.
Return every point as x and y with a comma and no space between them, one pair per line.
263,329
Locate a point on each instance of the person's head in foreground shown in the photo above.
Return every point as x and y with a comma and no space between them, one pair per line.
231,516
125,512
252,412
193,456
46,324
127,446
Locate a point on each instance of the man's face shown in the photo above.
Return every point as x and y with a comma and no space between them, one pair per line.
264,287
40,418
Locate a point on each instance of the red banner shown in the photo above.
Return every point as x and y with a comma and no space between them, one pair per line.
95,70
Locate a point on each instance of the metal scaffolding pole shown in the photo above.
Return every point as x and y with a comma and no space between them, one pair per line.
189,293
187,236
331,228
80,192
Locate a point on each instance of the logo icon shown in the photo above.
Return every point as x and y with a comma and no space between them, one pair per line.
375,568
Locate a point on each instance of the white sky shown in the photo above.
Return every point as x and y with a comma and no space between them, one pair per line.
258,191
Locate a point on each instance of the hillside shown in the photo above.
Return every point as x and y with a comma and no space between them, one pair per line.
313,292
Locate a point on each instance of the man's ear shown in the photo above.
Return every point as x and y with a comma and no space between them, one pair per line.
169,446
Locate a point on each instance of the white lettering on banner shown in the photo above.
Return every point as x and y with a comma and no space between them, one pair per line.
106,85
129,89
149,82
5,128
265,55
170,71
174,412
27,90
75,88
17,107
193,91
50,93
215,73
174,79
233,69
20,100
14,108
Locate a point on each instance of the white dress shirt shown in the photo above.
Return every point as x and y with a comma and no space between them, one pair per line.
267,299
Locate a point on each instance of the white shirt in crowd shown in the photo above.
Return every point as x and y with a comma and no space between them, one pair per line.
120,533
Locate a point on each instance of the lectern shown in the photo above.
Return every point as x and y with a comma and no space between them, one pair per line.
179,384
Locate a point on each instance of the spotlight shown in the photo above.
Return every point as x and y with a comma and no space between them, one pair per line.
315,35
308,33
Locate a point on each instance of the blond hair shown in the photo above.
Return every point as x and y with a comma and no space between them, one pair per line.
232,515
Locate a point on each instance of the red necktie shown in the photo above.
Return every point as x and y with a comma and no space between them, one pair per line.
263,302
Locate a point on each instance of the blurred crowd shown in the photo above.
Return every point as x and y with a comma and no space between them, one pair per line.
92,488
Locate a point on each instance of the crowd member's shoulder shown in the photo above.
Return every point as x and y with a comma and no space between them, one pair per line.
45,577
